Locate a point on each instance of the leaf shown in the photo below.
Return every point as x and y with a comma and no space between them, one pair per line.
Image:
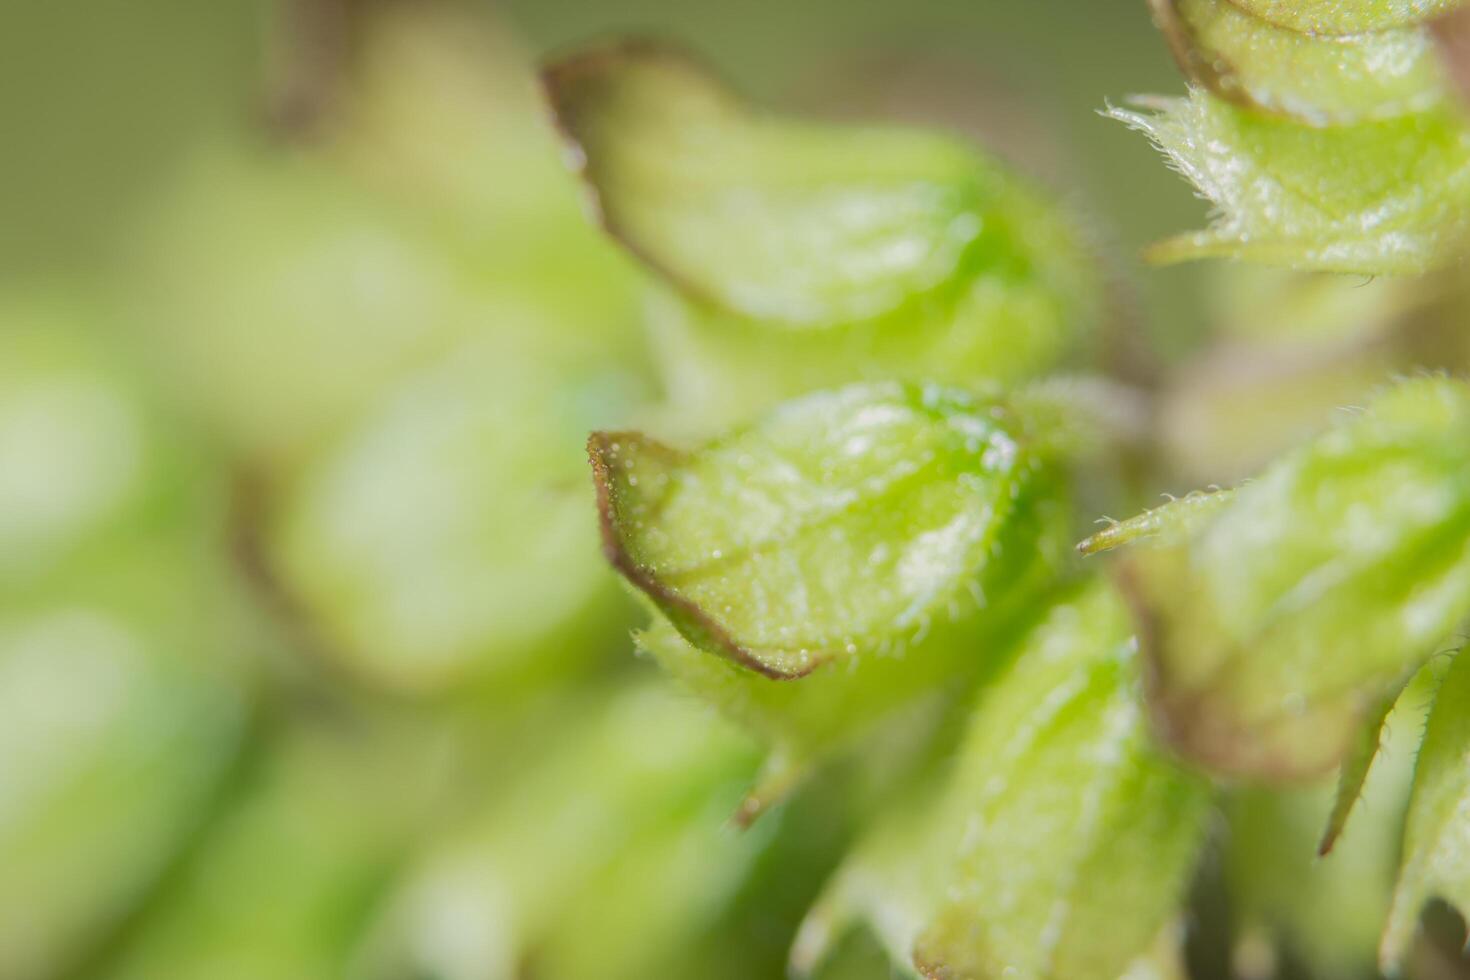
121,723
88,460
1437,833
1311,79
284,884
1274,628
1389,196
812,255
435,546
866,547
1061,840
638,792
842,523
1345,16
1399,726
1354,773
1325,912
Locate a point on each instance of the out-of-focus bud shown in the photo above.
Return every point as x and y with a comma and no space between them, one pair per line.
806,256
121,702
448,540
606,856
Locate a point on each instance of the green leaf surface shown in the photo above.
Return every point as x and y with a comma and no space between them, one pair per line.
810,255
1436,855
1276,627
841,524
1345,16
1312,79
1060,841
1390,196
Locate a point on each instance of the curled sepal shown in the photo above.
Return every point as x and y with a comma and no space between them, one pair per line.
635,792
1390,196
765,217
1341,17
841,525
1275,628
1436,855
1354,773
1060,840
807,255
1311,79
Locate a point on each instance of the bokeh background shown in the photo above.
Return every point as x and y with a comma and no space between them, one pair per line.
309,664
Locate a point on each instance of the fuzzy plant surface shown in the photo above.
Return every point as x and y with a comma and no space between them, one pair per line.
1326,135
405,574
873,563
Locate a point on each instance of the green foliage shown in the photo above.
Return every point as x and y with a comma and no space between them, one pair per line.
1342,153
1058,840
837,525
438,546
1434,858
1309,78
1371,197
1277,624
121,702
852,551
286,878
1326,912
809,255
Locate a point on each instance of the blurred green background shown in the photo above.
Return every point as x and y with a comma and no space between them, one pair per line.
309,664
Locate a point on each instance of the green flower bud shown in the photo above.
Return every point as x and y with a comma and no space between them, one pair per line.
1276,619
448,540
284,882
1345,152
808,255
1346,16
1377,197
1325,912
1059,840
1310,78
839,558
